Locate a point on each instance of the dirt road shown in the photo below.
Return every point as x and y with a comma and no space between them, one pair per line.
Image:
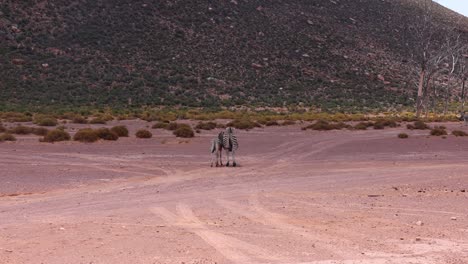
344,197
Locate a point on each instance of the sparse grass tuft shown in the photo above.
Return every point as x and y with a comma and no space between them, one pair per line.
459,133
121,131
56,135
143,133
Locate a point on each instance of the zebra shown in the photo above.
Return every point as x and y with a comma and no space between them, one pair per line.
230,144
217,149
464,117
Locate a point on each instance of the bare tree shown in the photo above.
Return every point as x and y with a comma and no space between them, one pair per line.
425,40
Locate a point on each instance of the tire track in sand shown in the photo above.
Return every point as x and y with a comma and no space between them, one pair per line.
231,248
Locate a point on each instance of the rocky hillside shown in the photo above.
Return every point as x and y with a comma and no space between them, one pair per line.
327,53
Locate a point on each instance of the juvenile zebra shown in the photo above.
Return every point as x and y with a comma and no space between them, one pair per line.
217,149
230,144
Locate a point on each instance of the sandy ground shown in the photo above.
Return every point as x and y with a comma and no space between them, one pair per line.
343,197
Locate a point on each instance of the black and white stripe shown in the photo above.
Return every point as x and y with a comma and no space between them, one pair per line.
230,144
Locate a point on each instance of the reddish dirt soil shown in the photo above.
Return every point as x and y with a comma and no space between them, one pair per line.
343,197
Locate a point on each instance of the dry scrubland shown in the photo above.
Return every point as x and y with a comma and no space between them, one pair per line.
369,190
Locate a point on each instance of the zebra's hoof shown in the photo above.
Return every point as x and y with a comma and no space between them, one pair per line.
234,164
227,164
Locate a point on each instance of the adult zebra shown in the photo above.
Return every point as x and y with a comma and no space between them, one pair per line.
217,149
464,117
230,144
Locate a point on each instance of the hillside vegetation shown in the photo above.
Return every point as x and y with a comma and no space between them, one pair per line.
330,54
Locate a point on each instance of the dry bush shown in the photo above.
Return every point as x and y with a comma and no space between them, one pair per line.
56,135
272,123
143,133
379,125
403,135
21,130
15,117
40,131
42,120
184,131
288,123
79,120
86,135
459,133
437,131
382,123
206,126
243,124
2,128
7,137
121,131
420,125
106,134
322,125
363,125
97,120
160,125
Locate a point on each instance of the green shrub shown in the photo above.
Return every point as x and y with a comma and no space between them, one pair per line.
7,137
459,133
206,126
121,131
21,130
45,121
243,124
40,131
143,133
106,134
160,125
403,135
184,131
86,135
56,135
437,131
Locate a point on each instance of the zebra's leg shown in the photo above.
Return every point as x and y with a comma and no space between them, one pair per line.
227,155
214,158
233,158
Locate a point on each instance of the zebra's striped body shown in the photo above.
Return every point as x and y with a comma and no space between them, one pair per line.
217,149
230,144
